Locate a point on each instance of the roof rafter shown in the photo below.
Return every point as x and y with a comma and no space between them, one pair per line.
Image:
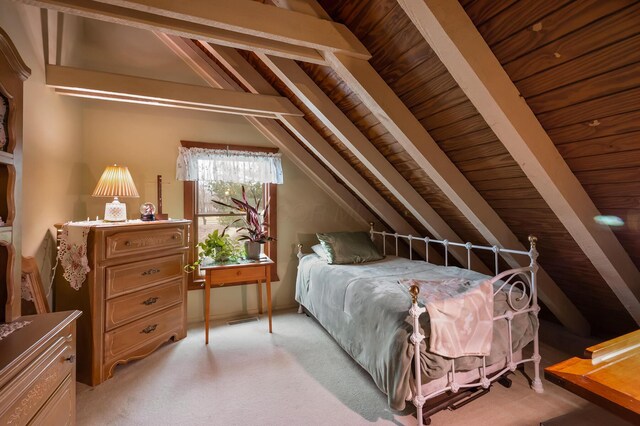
455,39
335,120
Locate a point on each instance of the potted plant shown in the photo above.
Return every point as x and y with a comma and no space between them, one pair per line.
217,246
253,225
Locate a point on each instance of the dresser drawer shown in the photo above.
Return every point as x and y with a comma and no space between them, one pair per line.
135,276
60,409
127,308
127,243
244,273
124,340
29,391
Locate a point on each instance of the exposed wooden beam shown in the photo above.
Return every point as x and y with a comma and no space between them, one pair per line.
211,73
104,85
461,48
331,116
147,21
252,79
256,19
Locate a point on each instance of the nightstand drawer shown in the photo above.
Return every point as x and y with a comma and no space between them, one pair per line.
124,341
128,243
124,309
244,273
135,276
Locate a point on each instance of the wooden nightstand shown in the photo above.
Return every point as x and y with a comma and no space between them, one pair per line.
242,273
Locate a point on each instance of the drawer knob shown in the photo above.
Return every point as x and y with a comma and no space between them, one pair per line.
174,237
151,271
149,329
150,301
71,359
127,243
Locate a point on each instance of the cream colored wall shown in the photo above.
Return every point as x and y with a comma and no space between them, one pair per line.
68,142
52,161
146,140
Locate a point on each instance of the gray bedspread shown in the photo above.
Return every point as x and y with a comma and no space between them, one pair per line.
366,311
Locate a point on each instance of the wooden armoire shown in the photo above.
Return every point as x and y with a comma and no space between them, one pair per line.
37,361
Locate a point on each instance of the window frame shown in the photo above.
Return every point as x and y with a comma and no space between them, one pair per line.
270,192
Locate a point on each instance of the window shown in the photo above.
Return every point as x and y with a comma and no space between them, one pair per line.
206,216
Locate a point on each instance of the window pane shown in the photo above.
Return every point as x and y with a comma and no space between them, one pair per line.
208,224
224,191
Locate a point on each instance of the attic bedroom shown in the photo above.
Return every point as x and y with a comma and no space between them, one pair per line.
320,212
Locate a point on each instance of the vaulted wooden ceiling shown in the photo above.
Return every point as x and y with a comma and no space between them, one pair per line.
576,63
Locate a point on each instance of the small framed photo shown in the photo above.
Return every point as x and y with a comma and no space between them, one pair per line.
34,299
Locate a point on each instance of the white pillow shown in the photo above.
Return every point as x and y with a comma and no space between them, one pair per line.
320,251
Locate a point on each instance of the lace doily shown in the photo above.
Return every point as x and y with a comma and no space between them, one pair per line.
8,328
72,253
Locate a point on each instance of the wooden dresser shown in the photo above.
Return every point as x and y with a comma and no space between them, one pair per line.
37,371
134,298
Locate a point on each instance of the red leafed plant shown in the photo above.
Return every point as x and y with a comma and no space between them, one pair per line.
253,225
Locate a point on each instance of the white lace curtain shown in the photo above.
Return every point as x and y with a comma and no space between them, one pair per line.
228,166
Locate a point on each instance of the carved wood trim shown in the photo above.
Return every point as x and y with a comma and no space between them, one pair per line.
10,52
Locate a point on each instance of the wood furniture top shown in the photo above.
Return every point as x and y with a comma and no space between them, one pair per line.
23,343
608,376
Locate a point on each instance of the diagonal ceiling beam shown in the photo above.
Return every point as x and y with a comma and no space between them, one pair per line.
137,89
252,80
450,32
331,116
211,73
151,22
407,130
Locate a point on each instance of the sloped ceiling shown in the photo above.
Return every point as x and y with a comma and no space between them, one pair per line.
584,92
577,65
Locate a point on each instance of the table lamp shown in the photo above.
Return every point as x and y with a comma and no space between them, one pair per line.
115,182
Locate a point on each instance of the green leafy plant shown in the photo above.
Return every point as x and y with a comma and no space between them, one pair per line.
256,229
217,246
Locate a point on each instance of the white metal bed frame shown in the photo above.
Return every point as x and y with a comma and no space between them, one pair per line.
523,302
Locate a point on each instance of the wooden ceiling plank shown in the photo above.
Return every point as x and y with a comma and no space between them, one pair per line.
255,19
617,103
320,147
146,21
207,69
102,83
563,21
408,131
600,33
349,134
462,49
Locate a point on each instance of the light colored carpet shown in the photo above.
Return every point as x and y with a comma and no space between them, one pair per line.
296,376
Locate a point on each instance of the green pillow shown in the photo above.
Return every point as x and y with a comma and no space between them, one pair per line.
348,247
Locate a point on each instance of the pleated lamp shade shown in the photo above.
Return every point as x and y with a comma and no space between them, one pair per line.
115,182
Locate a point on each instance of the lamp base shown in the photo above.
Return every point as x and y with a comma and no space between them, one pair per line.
115,211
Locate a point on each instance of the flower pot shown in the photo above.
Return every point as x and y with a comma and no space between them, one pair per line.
253,250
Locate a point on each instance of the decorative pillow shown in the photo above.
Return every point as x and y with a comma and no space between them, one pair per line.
320,251
348,247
